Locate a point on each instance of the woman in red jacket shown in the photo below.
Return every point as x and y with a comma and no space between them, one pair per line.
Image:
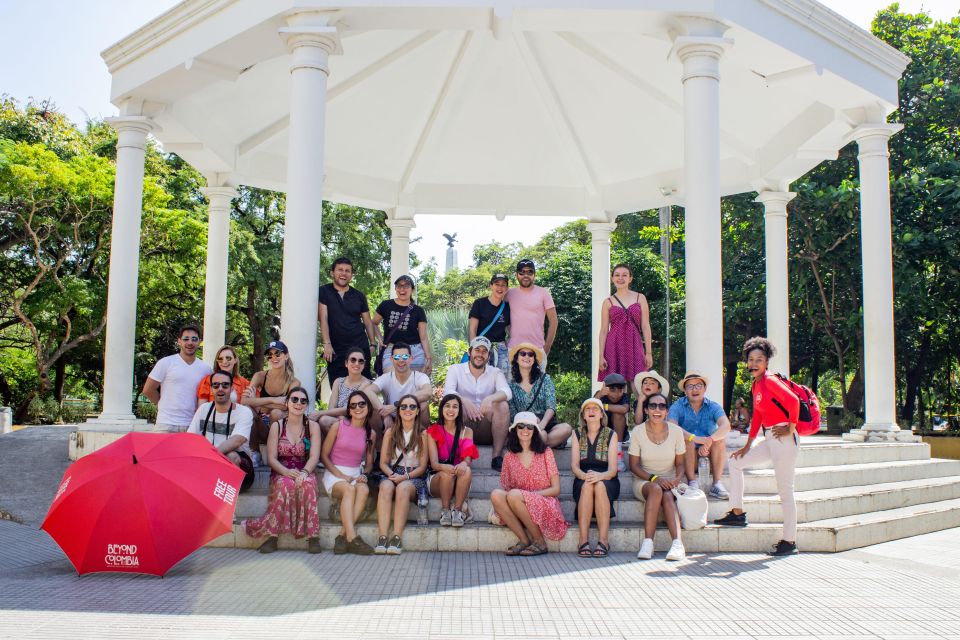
776,409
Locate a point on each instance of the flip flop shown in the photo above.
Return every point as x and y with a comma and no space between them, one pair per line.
601,551
534,549
584,550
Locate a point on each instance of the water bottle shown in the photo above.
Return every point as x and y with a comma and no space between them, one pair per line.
422,502
621,466
703,473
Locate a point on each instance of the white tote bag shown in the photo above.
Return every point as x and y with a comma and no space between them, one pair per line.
692,505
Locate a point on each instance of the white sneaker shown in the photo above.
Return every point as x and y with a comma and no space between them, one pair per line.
445,518
646,550
677,552
719,492
457,518
693,485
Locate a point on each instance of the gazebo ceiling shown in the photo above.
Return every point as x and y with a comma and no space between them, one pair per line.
519,109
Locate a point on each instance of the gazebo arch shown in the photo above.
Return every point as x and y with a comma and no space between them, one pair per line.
506,109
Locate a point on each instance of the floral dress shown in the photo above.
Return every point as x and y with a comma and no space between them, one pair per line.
623,349
544,511
290,509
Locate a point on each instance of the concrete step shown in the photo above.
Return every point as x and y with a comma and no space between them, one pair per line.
815,451
756,481
811,505
831,535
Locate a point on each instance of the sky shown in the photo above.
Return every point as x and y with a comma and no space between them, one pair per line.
51,49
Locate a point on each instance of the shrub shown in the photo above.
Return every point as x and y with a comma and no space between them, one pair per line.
572,389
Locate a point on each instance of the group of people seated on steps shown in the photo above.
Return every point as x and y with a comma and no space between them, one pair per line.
376,434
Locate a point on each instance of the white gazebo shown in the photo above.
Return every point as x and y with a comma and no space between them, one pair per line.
511,108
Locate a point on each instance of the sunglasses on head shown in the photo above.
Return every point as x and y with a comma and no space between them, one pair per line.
356,360
219,385
408,407
526,354
402,356
298,400
359,404
657,405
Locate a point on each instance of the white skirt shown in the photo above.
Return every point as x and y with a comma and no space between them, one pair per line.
330,479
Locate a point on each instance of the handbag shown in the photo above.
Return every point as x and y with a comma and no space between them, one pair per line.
378,363
692,505
466,354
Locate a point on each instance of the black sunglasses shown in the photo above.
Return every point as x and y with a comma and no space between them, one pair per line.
657,405
524,425
356,360
526,354
220,385
408,407
359,404
299,400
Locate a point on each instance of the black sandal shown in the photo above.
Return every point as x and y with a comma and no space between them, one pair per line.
584,550
601,551
515,549
534,549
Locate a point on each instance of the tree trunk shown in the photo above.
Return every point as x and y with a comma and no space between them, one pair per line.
59,378
854,396
729,381
256,329
914,377
6,393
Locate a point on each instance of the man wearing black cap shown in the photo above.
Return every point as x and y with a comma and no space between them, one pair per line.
344,320
529,305
490,317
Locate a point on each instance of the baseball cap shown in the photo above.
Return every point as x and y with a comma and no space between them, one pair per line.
499,276
526,262
278,345
480,341
615,380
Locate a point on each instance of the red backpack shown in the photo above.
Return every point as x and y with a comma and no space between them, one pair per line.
809,421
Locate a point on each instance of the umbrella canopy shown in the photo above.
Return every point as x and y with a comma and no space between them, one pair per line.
143,503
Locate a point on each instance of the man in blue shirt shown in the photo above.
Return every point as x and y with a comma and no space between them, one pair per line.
705,427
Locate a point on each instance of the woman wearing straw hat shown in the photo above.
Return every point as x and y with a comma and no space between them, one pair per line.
593,460
648,383
527,502
533,391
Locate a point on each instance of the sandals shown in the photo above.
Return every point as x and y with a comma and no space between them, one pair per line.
601,551
584,550
515,549
534,549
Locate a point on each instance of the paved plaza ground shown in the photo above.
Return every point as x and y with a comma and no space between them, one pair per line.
904,589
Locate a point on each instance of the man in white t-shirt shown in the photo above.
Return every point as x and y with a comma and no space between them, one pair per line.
226,425
398,382
529,306
172,384
484,394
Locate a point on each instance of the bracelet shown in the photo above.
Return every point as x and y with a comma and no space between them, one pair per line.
652,478
690,439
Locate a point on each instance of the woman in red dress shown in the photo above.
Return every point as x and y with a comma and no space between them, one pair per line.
527,504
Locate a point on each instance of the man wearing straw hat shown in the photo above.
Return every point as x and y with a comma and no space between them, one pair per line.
705,425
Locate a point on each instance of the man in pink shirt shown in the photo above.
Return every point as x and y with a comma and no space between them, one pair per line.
529,305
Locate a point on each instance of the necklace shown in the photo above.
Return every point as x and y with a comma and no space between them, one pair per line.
661,441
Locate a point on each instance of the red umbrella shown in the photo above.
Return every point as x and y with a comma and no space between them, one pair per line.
143,503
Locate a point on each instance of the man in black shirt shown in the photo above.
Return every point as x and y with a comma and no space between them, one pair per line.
344,320
482,315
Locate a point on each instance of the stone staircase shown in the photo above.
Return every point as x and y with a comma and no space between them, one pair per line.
849,495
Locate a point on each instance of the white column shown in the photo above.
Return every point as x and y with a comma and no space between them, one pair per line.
778,304
310,46
215,293
876,249
701,185
399,248
600,289
124,264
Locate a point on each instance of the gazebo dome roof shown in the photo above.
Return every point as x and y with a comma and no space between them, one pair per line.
509,107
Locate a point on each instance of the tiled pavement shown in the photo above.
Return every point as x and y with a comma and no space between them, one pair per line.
904,589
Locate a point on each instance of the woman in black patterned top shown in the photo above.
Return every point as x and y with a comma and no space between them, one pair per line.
403,321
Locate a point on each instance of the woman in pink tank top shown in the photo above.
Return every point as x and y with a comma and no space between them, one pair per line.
347,457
